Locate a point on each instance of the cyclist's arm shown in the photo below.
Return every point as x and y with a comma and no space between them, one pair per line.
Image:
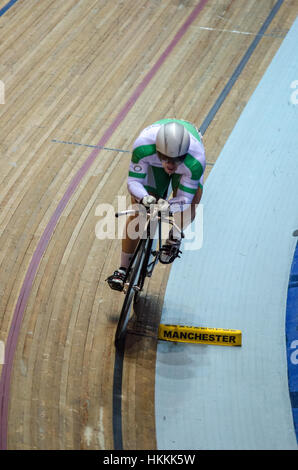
136,190
137,178
185,193
143,149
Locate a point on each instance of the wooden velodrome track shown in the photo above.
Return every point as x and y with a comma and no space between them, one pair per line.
83,73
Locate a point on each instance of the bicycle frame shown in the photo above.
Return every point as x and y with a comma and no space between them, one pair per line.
140,267
153,217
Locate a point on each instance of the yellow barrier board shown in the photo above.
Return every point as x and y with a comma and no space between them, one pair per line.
192,334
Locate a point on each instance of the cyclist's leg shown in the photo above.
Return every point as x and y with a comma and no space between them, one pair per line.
129,244
171,249
131,231
184,219
194,204
130,237
130,240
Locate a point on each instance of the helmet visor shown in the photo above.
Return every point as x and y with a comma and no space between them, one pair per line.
175,160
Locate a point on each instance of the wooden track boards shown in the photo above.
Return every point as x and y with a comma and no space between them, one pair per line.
68,68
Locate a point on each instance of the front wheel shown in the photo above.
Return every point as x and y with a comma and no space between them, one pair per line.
133,283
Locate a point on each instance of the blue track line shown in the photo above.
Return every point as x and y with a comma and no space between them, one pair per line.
239,68
7,7
292,338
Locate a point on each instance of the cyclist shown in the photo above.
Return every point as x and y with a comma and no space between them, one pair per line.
168,151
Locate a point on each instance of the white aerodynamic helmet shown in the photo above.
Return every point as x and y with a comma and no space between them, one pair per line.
172,140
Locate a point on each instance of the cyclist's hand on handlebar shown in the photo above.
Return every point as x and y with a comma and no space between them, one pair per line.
148,200
163,205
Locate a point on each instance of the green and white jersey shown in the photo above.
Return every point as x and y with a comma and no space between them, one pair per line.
146,173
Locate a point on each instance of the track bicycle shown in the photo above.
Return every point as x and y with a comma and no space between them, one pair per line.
144,258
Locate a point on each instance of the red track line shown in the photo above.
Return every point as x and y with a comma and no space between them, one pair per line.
12,339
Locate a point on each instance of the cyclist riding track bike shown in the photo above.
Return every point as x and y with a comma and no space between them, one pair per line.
169,151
